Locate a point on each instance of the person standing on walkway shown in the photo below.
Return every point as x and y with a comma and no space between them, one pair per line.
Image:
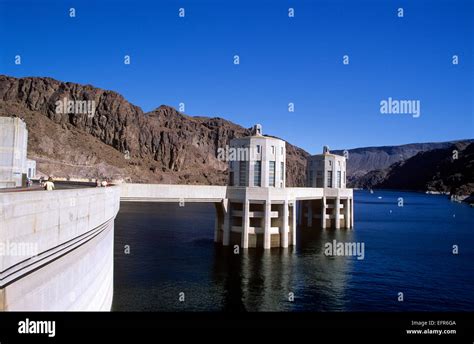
49,185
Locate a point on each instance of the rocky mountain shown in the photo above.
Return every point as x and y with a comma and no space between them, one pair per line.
119,140
449,169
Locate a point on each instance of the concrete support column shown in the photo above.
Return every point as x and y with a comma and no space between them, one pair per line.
352,212
216,222
310,213
268,224
227,224
300,212
347,213
337,213
216,228
245,225
284,230
293,233
323,212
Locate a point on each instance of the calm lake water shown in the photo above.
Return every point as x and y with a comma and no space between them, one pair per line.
407,249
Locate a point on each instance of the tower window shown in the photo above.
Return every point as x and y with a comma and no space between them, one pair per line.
319,179
243,173
282,171
257,173
329,180
271,179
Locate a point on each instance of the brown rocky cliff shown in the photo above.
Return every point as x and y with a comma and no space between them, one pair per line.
164,145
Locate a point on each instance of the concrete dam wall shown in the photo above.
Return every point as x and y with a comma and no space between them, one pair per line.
56,249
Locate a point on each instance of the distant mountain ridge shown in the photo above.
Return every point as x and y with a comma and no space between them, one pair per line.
446,170
418,166
366,159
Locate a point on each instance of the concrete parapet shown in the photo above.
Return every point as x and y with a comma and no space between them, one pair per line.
60,249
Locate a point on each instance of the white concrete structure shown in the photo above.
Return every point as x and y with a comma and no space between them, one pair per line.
30,168
255,210
14,166
251,216
328,171
259,161
243,213
56,249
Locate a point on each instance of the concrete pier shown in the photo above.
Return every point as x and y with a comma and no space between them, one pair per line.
256,209
254,216
323,213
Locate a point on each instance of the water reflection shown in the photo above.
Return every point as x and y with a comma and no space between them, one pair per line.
266,280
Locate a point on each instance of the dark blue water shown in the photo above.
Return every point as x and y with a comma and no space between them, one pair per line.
408,249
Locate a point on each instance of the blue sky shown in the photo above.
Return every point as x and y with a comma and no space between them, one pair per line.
282,60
